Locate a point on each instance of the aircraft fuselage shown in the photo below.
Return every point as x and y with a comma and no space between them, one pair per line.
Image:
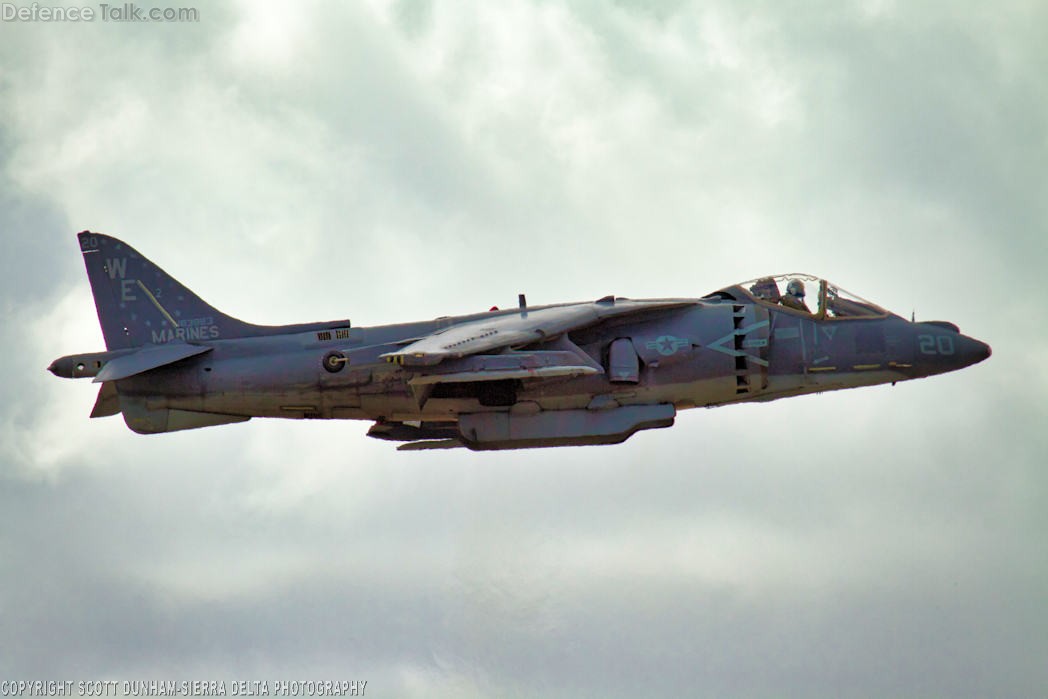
568,374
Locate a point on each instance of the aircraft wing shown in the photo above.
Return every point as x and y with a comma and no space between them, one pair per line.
513,330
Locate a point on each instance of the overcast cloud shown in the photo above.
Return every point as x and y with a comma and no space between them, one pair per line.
390,161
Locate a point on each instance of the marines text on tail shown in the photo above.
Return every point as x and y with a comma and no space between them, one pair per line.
541,376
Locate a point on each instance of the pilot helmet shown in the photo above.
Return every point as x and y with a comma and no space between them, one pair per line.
795,288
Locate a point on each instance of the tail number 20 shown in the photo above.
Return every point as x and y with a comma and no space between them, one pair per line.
935,344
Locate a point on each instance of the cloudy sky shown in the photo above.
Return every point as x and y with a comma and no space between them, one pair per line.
388,161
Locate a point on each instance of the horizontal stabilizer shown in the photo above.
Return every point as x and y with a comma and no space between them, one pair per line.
148,358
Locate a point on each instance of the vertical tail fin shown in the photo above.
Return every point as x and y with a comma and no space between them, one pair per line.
139,303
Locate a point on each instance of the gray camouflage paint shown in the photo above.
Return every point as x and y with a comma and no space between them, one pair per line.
527,377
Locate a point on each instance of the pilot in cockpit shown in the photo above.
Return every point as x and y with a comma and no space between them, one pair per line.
794,296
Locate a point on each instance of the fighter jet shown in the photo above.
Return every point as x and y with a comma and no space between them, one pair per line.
570,374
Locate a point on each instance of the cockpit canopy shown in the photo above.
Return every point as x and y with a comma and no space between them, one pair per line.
806,294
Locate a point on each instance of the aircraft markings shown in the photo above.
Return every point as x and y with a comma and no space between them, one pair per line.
719,345
667,345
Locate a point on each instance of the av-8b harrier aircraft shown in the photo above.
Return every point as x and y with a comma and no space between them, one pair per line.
540,376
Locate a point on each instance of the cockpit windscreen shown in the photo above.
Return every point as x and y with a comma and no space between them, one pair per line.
807,294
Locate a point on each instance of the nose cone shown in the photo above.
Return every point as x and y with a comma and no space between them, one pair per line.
941,348
980,351
968,351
